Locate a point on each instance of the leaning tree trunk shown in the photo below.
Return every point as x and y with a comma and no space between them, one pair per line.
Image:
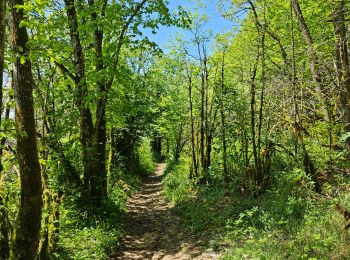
343,63
314,60
309,166
27,227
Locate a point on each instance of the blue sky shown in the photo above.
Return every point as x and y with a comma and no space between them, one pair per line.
216,23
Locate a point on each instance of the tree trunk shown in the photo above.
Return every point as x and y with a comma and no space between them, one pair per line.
99,178
86,125
94,139
157,146
272,34
194,159
202,133
262,172
342,58
112,152
309,166
2,56
44,244
27,228
252,108
4,225
314,61
207,116
223,120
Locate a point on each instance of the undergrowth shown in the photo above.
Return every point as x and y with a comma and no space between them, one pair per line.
289,221
95,233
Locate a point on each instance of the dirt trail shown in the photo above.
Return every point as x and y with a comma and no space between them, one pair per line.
153,231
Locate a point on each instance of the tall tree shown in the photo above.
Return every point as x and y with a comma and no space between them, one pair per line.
342,59
223,118
86,125
190,98
314,60
27,227
93,132
4,243
2,57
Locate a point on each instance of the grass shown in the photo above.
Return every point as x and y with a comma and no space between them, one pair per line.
289,221
95,236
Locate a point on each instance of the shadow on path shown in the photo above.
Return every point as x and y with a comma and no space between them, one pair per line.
154,231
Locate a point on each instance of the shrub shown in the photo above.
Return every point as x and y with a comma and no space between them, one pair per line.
176,183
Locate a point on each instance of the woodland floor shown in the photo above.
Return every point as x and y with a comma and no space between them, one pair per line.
154,231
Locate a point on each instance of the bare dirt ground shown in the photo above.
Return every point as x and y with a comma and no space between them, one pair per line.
153,231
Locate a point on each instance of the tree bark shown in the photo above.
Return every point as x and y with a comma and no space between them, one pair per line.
194,159
342,57
27,228
202,123
2,57
86,124
4,227
179,142
93,138
314,61
99,177
262,172
252,108
99,182
207,115
223,120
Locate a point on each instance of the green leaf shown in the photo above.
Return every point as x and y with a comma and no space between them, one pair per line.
22,60
24,23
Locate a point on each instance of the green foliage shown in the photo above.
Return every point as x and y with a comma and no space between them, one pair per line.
177,184
86,234
96,242
317,234
288,221
121,186
145,156
151,93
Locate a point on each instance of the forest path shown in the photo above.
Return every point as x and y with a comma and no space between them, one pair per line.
153,231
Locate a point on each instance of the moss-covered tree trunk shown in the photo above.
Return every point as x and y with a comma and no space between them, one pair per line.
4,228
27,227
99,179
86,124
2,56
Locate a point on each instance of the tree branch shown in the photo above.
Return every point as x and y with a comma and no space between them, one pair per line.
121,38
66,71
